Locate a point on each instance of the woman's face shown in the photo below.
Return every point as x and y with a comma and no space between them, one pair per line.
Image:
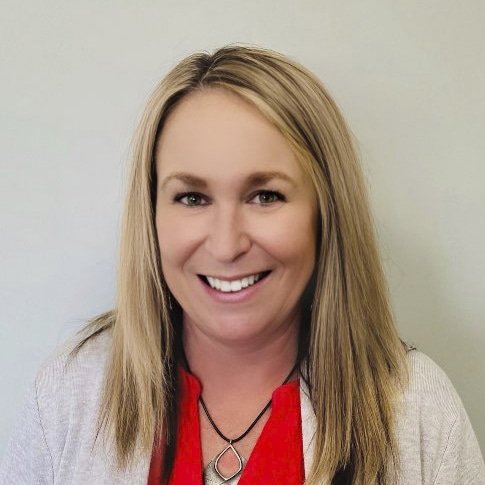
236,219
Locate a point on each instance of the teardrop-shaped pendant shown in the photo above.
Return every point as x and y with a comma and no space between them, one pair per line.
229,447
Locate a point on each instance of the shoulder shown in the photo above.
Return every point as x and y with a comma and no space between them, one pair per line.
431,388
57,427
69,384
74,368
436,440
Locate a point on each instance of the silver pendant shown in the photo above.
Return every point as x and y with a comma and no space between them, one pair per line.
212,474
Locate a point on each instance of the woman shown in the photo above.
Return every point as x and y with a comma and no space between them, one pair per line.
252,341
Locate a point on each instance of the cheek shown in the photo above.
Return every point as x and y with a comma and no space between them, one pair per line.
175,240
293,239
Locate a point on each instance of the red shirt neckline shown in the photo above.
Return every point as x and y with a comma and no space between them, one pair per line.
276,458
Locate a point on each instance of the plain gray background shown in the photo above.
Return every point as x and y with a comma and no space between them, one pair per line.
409,76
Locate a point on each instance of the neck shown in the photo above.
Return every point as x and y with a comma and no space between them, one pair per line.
246,368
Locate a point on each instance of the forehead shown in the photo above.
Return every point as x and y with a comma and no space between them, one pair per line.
213,130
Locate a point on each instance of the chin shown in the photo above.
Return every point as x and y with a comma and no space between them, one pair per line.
236,331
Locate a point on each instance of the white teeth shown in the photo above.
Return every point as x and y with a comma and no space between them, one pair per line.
225,286
234,285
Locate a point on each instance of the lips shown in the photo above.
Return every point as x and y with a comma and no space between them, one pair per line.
233,286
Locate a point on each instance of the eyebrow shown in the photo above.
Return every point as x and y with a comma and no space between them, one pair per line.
186,178
255,179
261,178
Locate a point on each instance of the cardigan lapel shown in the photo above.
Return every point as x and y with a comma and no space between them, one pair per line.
308,426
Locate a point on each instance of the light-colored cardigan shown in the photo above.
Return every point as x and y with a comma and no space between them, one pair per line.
54,439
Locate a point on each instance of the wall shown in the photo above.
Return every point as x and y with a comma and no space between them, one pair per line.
409,76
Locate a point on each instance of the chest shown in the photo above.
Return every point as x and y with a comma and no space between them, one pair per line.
272,452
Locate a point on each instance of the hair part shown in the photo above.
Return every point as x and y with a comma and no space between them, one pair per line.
355,361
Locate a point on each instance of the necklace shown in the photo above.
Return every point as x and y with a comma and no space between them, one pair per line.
213,466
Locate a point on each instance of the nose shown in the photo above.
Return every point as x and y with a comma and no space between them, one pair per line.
228,237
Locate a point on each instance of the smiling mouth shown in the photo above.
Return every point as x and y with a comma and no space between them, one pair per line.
232,286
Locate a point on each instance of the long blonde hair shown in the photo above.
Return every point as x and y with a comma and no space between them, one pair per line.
355,360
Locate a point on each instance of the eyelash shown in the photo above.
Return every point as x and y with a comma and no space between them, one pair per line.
276,196
180,197
202,200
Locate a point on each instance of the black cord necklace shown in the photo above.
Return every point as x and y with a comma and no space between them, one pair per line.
213,465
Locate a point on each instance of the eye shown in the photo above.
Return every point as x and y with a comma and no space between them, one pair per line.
191,199
267,197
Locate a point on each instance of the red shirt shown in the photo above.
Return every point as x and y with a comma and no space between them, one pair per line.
276,458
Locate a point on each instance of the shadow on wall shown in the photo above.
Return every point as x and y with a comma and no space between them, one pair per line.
431,317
